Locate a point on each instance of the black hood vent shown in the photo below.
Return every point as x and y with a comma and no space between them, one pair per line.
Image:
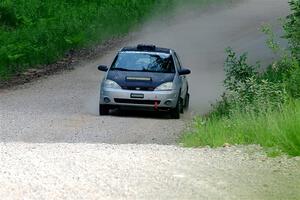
138,78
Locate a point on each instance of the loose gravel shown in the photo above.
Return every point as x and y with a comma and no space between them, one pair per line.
102,171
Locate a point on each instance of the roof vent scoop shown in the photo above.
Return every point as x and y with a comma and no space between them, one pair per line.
145,47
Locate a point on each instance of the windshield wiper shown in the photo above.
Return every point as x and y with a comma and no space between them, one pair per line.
120,69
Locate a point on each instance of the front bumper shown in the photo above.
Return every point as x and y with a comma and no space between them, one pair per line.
134,98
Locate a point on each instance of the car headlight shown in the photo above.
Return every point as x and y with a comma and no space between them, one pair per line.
165,86
111,84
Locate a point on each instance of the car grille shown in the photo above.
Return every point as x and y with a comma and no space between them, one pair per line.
138,88
134,101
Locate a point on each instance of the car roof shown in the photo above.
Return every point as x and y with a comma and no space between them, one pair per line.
147,48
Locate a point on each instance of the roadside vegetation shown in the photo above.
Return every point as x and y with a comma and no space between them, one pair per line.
258,108
38,32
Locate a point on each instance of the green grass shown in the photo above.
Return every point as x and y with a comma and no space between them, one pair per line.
34,32
278,131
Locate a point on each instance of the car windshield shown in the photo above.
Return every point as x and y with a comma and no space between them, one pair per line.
146,62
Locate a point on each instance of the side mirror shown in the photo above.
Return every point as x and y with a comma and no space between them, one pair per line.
184,72
103,68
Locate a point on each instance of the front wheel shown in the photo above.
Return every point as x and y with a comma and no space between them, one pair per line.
175,112
103,109
187,101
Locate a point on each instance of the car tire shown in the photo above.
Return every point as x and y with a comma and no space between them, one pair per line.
181,106
187,101
103,109
175,112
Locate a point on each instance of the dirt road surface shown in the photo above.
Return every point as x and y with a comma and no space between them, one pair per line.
55,146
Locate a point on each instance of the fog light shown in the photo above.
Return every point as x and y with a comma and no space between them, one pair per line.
106,100
168,102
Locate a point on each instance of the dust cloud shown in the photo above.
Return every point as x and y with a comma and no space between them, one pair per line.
200,36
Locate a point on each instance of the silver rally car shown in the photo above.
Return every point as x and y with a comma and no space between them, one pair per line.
145,77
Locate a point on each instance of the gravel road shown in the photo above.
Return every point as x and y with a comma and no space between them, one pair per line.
55,146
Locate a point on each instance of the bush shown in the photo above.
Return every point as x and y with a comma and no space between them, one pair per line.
246,89
293,82
292,28
286,72
237,70
8,16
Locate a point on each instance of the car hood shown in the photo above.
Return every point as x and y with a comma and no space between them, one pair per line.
140,80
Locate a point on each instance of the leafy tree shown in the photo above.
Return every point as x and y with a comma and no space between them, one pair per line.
292,28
